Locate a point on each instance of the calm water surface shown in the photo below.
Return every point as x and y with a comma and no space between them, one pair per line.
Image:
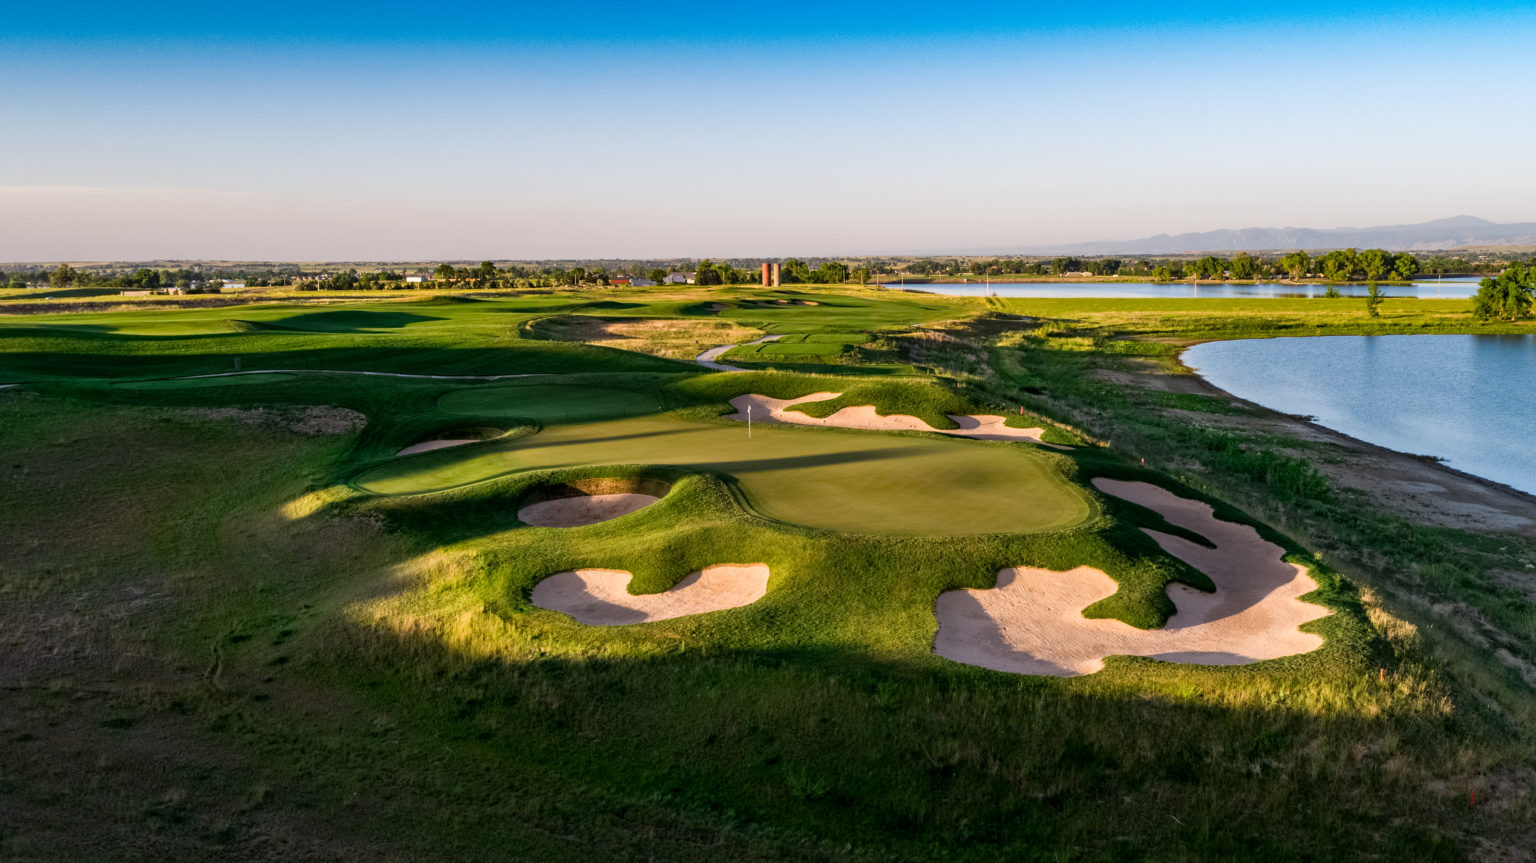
1466,399
1450,289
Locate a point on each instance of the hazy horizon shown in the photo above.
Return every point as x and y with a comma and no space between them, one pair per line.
467,131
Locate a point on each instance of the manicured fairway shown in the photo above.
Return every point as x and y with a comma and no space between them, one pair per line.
849,481
551,403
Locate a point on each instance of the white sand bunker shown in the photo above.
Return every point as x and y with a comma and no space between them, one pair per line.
865,417
430,445
588,501
579,511
1032,622
458,437
599,597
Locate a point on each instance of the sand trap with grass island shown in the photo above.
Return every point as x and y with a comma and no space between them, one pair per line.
600,597
867,418
1032,621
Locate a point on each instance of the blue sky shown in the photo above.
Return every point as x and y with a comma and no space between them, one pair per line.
325,131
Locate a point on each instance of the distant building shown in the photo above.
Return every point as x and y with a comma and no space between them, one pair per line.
638,282
417,278
621,282
234,284
681,278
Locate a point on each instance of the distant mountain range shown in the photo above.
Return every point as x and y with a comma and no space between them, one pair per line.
1453,233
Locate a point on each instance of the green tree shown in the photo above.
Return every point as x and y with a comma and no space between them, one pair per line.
63,277
832,273
1506,297
1210,267
1162,273
1373,298
1374,264
794,272
1244,266
1338,265
443,273
1332,293
708,274
1404,267
657,275
578,275
1297,263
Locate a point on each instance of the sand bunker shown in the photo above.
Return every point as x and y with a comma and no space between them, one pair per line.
865,417
581,502
599,597
455,437
1032,622
579,511
430,445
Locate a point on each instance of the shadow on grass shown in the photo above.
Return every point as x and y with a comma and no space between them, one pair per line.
904,756
346,321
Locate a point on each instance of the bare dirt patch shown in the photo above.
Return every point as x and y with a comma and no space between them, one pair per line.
1032,622
675,338
599,597
315,420
867,418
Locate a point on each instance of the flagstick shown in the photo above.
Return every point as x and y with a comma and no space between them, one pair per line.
749,422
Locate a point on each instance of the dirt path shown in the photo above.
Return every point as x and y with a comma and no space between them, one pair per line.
867,418
599,597
1032,622
707,359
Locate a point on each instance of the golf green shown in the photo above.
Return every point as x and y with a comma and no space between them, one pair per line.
860,482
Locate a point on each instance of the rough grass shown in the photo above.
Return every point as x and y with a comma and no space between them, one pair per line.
677,338
275,661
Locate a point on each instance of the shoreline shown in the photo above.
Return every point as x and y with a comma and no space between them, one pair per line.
1512,502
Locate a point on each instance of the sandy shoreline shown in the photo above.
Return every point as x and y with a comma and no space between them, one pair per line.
1412,485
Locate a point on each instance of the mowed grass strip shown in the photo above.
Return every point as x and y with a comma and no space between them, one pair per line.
548,403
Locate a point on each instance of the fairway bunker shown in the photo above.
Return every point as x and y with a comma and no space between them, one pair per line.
600,597
1032,621
867,418
456,437
581,502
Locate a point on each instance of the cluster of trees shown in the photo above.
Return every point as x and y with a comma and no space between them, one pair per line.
1344,265
797,272
1507,296
191,280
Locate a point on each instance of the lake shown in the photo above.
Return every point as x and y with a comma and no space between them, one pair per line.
1457,287
1466,399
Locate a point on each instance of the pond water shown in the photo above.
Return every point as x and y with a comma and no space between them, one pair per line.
1467,399
1456,287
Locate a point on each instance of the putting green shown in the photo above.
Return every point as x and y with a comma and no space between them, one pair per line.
548,403
850,481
